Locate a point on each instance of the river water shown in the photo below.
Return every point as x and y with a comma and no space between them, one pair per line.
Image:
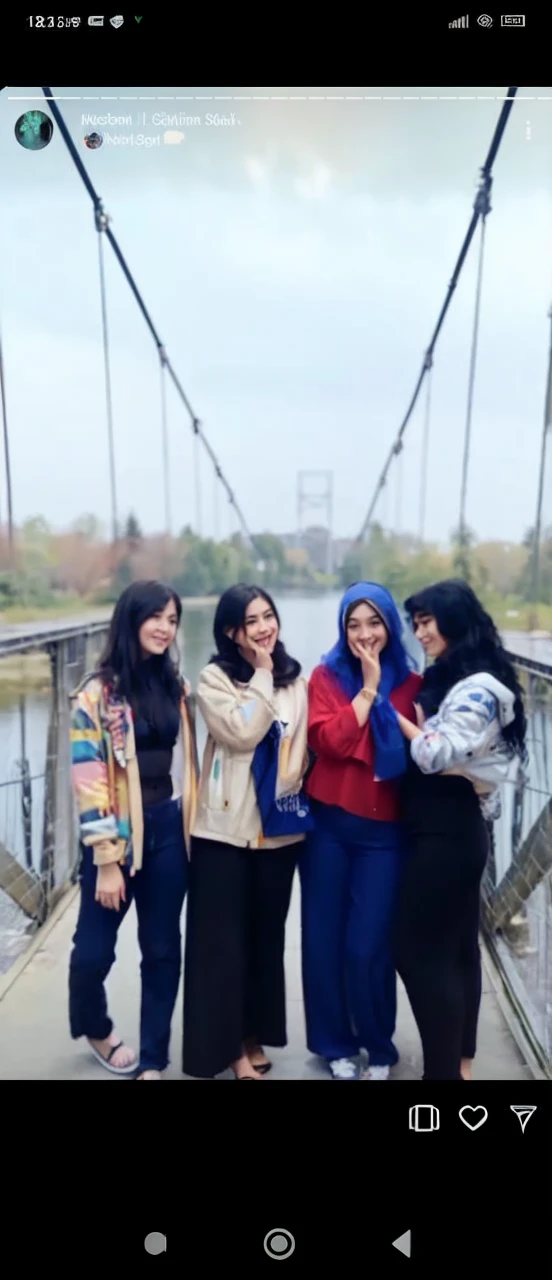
309,628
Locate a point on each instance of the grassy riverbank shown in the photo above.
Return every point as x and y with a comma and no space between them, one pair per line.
23,673
526,617
75,607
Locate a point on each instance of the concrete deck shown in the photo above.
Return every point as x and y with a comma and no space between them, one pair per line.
35,1042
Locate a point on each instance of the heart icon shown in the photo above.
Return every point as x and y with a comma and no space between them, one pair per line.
473,1117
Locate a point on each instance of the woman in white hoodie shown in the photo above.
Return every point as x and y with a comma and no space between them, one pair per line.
251,819
471,726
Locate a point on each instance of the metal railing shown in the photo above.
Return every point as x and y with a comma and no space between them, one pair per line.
517,887
38,826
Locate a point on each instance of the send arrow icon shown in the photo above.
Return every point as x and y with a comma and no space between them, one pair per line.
404,1243
524,1115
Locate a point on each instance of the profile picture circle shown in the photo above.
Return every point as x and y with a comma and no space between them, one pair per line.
34,130
93,141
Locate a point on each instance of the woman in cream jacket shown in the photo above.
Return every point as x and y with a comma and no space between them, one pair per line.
253,700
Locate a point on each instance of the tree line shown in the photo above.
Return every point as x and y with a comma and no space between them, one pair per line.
48,568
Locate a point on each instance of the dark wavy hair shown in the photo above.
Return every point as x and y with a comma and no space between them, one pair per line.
122,665
230,616
474,646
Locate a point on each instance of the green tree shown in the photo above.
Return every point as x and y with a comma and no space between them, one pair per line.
35,531
525,583
133,533
403,565
88,527
123,576
35,562
271,552
463,540
10,589
205,566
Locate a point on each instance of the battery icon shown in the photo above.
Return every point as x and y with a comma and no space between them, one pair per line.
512,20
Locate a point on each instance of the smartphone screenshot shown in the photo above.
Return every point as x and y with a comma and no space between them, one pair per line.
276,638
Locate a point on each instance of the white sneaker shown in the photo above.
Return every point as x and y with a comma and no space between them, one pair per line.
343,1069
376,1073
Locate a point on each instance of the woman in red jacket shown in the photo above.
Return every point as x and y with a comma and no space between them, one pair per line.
352,859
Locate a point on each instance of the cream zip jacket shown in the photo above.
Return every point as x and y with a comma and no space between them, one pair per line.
238,717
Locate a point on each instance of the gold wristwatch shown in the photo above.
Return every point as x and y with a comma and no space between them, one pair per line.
369,694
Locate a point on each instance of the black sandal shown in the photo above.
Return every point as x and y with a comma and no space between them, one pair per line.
262,1068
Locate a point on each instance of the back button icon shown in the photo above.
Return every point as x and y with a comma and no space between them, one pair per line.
404,1243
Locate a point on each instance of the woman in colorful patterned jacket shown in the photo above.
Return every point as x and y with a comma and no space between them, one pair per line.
134,770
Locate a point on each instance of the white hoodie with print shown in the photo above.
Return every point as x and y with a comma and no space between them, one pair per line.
465,737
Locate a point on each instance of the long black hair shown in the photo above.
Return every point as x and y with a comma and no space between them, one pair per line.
474,646
145,684
230,616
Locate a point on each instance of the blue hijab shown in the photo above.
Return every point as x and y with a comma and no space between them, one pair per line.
396,666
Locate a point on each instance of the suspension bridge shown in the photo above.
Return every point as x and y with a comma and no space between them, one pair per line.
37,874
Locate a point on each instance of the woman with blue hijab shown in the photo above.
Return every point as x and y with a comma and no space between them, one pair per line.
352,859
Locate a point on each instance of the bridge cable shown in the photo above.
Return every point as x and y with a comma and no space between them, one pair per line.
197,479
428,358
101,225
216,509
399,492
547,429
484,197
165,442
194,421
425,456
7,462
385,513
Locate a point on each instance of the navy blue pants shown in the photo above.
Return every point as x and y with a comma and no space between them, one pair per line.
349,872
159,890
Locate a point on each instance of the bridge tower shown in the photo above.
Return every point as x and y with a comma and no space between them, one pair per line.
315,493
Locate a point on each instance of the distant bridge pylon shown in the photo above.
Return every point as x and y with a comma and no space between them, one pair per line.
315,492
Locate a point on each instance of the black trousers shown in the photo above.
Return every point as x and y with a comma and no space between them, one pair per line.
234,981
437,931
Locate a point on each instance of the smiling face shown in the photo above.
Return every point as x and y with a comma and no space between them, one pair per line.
158,632
427,632
365,626
260,624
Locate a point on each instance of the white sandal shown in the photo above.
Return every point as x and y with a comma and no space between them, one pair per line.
105,1060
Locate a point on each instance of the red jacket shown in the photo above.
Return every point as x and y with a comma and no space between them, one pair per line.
343,773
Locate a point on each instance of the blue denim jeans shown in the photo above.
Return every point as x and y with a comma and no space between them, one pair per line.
159,890
349,870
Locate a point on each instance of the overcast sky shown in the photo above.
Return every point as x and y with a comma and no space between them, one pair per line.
294,263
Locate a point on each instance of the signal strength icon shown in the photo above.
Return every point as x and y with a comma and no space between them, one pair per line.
461,22
524,1115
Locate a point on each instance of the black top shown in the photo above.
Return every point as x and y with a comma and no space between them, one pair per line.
154,750
437,804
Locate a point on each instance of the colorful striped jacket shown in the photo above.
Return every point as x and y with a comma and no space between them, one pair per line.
105,775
